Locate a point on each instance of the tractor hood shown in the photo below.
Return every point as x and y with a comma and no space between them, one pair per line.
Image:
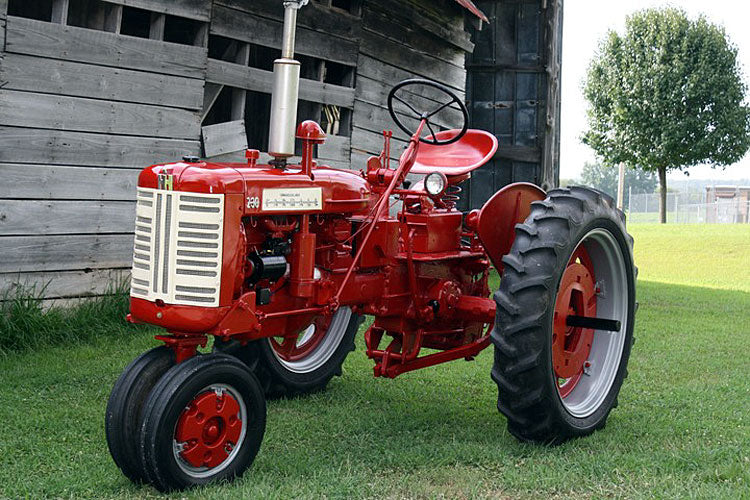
339,191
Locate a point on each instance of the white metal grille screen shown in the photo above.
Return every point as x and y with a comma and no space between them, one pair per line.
177,253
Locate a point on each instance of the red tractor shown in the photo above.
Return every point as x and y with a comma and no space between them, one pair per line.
280,263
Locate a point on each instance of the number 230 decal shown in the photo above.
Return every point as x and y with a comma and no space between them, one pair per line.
253,202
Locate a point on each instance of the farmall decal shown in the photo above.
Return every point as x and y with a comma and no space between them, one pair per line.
281,200
166,181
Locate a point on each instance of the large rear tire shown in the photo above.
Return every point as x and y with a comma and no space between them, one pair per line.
124,408
572,256
292,367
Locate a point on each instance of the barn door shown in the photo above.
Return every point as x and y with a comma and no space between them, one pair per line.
513,89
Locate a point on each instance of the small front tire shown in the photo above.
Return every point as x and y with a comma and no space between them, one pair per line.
124,408
203,422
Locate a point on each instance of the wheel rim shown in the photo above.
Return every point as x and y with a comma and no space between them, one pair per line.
210,431
585,361
315,345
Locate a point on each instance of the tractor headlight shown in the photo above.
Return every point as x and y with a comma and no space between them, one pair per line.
435,183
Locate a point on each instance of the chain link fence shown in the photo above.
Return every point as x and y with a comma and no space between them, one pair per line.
688,208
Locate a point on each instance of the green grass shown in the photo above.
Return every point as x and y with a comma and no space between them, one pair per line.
682,428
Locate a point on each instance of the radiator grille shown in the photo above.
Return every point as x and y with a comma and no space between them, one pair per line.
177,252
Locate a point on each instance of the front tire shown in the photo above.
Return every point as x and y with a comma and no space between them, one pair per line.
204,421
572,256
124,408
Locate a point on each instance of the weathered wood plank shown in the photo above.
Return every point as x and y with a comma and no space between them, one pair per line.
85,283
259,80
67,252
450,30
417,61
28,36
239,25
406,32
200,10
28,109
389,74
36,74
372,142
224,138
56,147
314,16
62,182
377,119
48,217
376,93
336,148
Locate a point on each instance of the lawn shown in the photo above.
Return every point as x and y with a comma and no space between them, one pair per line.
682,428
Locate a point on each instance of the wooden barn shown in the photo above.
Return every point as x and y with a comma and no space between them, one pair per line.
91,91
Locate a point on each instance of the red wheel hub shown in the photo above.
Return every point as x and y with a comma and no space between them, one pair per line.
209,428
571,346
289,348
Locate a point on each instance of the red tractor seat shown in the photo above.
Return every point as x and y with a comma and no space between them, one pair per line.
472,151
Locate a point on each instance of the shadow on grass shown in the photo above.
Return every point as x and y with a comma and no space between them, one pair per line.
679,429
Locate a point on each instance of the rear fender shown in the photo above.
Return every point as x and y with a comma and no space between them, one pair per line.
499,216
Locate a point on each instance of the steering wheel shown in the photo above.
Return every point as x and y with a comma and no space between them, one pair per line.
426,115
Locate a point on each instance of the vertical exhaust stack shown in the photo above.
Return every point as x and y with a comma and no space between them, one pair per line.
285,95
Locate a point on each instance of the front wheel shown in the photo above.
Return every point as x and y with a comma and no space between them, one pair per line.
565,317
204,421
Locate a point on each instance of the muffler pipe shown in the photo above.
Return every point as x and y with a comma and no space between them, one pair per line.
285,94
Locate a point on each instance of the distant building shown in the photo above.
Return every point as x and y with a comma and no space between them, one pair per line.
728,204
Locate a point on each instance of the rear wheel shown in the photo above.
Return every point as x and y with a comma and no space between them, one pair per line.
204,421
303,364
559,374
124,408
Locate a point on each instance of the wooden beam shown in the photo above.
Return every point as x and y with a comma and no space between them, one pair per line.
58,147
156,28
224,138
239,25
64,182
113,19
259,80
60,11
53,76
28,109
317,17
81,283
239,95
417,61
199,10
28,36
48,217
66,252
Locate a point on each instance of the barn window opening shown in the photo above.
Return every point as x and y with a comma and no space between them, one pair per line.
221,48
221,111
136,22
310,67
95,15
262,57
338,74
183,31
41,10
257,116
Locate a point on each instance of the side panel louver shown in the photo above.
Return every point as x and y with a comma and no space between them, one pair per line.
177,253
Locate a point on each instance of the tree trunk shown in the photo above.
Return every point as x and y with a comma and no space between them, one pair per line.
663,195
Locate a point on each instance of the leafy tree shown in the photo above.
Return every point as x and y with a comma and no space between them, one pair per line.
667,95
606,177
